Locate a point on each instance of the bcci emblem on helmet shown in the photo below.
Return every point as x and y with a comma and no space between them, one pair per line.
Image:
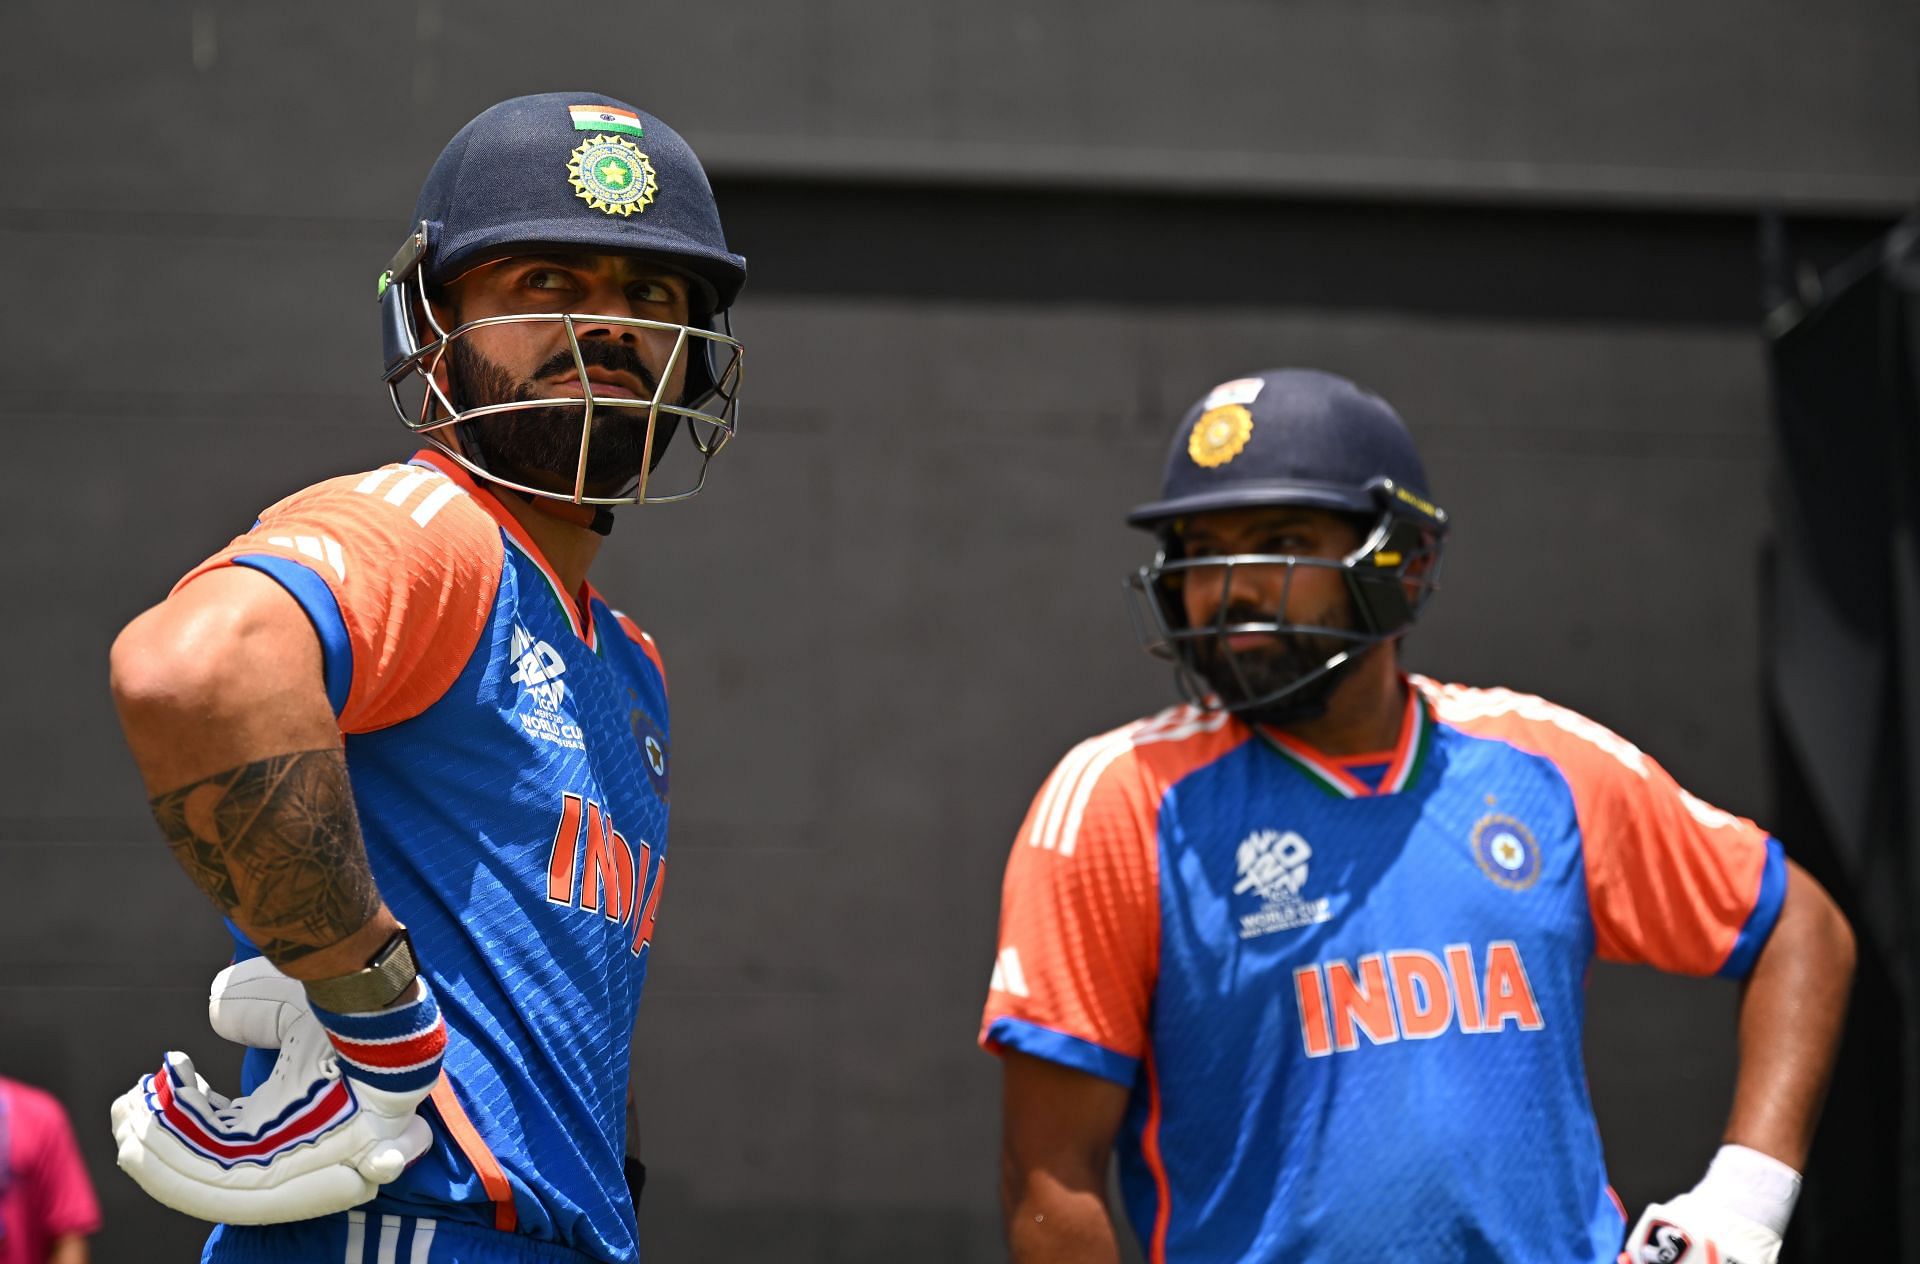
1220,435
612,175
1293,439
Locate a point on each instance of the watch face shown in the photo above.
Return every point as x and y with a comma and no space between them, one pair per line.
395,965
397,951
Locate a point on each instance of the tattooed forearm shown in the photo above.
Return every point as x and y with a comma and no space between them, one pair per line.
277,846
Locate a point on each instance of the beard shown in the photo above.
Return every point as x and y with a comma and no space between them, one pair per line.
540,447
1277,668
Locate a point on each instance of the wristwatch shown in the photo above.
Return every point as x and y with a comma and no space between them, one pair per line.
384,980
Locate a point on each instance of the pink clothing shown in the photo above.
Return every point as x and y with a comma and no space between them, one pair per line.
44,1190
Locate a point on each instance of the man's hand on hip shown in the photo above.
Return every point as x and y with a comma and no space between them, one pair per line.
333,1122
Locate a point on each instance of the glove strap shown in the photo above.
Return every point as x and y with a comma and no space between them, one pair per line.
1749,1183
398,1050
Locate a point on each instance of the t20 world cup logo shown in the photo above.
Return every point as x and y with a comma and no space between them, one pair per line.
1273,865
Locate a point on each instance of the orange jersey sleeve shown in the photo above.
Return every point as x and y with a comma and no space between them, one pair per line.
1672,882
1079,947
398,570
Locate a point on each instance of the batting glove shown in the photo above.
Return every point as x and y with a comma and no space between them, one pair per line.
332,1123
1690,1230
1735,1215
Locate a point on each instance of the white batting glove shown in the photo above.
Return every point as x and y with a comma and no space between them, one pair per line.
332,1123
1690,1230
1735,1215
251,1003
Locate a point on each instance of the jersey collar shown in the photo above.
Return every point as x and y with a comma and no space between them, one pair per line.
578,608
1406,760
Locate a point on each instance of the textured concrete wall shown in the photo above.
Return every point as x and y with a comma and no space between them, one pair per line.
899,601
325,109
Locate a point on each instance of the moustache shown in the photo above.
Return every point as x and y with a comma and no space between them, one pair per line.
1238,614
598,354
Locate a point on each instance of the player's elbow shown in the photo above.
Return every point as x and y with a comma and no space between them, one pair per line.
1016,1182
1073,1171
205,661
158,668
1023,1195
1842,949
1055,1207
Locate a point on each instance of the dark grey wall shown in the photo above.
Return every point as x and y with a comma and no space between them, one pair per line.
995,254
288,109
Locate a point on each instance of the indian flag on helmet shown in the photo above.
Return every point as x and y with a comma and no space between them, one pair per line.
605,118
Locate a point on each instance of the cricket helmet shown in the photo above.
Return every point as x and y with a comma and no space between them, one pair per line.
1286,437
564,172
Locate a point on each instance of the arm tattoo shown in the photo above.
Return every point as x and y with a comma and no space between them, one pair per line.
277,846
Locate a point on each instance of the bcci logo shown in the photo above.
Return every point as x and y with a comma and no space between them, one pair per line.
653,743
537,669
1506,852
1273,866
609,173
1219,435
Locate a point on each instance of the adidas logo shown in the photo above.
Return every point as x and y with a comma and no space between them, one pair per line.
321,548
1008,977
397,485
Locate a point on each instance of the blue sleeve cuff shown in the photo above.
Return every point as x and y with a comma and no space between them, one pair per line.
322,611
243,949
1766,911
1070,1051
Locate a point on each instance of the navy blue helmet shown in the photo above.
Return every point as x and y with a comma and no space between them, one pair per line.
1287,437
567,172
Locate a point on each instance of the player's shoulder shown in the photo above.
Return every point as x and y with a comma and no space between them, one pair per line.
640,638
1178,738
402,504
1581,746
633,631
1125,771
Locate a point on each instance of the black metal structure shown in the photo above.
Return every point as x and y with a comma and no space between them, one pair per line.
1843,669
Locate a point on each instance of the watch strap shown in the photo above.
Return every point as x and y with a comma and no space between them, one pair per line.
384,980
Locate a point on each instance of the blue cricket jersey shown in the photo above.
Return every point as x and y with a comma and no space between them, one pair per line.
1349,1012
507,744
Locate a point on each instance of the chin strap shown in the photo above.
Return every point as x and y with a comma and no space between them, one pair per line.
595,518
